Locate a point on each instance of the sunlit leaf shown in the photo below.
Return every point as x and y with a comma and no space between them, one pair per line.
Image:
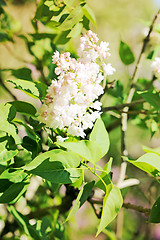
14,175
74,17
24,223
7,113
35,90
88,150
75,31
152,150
105,175
149,162
89,14
100,136
111,206
56,166
5,154
69,3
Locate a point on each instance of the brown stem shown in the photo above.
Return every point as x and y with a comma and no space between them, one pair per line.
121,106
140,209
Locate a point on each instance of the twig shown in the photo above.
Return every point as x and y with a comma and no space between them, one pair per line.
106,88
121,106
140,209
145,112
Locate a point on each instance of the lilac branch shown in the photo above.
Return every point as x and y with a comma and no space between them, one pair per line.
137,208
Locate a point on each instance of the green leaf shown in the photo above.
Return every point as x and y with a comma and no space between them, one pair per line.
56,166
7,113
9,128
24,107
100,136
29,144
4,37
46,226
62,38
74,17
13,193
85,23
26,86
35,90
59,231
110,234
80,181
31,133
76,31
149,163
42,88
32,146
155,212
88,150
117,91
22,73
151,97
69,3
105,175
43,13
4,184
24,223
152,150
89,14
111,206
6,152
81,198
14,175
150,55
6,155
2,3
39,36
126,54
39,159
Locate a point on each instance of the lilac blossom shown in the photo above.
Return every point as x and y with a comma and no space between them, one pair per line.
71,102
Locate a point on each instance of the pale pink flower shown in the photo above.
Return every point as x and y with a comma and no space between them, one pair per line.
71,103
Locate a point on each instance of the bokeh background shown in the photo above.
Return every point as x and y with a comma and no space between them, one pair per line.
116,20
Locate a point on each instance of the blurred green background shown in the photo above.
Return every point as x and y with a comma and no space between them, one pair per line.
117,20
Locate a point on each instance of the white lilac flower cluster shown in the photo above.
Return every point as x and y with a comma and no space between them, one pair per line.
156,67
71,102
